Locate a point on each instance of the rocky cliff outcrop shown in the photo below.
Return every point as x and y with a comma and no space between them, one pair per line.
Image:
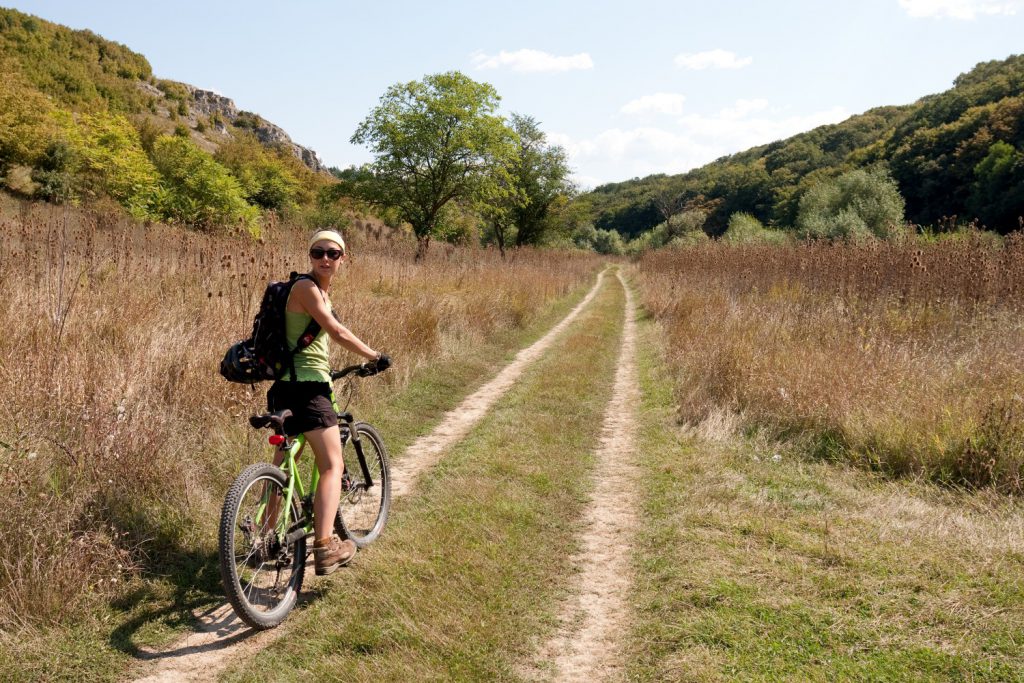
207,102
211,104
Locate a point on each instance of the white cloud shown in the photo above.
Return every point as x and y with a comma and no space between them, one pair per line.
658,103
732,130
526,60
742,108
958,9
697,139
618,154
712,59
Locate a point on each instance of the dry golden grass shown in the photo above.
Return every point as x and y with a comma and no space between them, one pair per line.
119,437
905,358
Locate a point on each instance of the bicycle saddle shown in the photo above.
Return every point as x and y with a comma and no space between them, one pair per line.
267,419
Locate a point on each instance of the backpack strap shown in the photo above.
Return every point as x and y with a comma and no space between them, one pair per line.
308,335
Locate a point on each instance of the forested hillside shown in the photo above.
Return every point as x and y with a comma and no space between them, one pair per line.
84,119
956,157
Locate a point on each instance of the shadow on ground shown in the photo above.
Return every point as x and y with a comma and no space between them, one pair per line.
171,596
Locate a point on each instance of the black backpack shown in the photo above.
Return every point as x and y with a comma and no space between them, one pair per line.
266,354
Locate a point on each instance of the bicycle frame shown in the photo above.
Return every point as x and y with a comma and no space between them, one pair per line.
268,514
290,449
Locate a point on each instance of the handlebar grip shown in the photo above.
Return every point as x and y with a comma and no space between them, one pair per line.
366,369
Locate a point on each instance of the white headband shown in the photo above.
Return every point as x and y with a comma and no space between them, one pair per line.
329,235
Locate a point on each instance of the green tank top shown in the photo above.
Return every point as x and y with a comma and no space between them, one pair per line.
311,363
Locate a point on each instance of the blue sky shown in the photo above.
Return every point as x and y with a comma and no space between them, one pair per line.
629,88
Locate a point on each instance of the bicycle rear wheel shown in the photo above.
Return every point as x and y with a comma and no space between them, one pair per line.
365,500
262,575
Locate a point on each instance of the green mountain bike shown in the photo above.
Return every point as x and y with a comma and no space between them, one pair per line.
267,517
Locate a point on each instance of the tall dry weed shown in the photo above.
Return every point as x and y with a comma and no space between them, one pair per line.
118,437
905,358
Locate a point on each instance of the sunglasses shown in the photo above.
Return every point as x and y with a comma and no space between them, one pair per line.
316,253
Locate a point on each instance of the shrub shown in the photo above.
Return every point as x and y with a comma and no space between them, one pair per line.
196,190
107,154
26,125
855,205
746,229
266,179
55,175
608,242
686,227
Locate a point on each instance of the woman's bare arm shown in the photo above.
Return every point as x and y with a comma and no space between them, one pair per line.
308,296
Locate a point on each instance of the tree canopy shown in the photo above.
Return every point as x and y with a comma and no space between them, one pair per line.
536,181
435,141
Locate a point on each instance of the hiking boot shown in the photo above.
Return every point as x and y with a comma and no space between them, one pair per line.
333,554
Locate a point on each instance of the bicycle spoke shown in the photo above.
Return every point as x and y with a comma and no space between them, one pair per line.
362,509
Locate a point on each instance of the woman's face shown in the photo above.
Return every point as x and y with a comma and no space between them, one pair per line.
325,265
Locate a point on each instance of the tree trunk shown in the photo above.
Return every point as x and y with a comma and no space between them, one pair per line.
422,245
499,234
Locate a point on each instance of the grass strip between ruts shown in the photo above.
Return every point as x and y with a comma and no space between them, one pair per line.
159,608
467,577
751,566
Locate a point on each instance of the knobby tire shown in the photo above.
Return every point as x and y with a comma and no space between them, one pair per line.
261,579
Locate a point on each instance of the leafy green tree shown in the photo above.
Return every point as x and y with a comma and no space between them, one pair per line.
435,141
997,196
111,161
669,198
855,205
535,181
26,124
540,173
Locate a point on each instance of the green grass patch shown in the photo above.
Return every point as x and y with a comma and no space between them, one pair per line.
468,575
753,566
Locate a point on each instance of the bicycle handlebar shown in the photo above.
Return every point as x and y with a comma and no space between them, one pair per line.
366,369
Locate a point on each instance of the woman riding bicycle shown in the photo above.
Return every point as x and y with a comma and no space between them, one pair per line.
308,392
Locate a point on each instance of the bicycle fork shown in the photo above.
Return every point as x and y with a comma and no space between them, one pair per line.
357,444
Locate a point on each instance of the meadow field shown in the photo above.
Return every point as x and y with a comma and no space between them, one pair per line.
824,449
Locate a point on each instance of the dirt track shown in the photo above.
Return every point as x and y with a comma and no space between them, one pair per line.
585,648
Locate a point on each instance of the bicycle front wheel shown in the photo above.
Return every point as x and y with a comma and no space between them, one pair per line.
365,489
262,573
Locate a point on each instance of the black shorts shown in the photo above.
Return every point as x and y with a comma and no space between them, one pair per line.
310,403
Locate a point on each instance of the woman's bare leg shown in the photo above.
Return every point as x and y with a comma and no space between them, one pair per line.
326,445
